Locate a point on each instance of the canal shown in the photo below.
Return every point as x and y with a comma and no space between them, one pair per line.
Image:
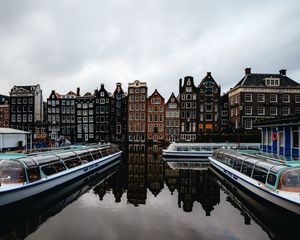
146,198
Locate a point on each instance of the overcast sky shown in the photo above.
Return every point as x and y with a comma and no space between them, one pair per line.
62,44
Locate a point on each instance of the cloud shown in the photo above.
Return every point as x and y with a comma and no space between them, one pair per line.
64,44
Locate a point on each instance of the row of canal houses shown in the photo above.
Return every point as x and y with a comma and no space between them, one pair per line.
137,118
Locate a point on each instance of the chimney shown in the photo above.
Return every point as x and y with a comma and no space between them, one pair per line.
247,71
78,91
282,72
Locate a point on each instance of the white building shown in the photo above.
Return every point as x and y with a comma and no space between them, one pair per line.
12,138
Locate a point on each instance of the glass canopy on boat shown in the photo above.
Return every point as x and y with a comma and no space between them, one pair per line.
11,172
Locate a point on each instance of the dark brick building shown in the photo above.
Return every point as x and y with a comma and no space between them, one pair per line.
262,96
188,93
209,100
26,107
119,115
4,111
103,119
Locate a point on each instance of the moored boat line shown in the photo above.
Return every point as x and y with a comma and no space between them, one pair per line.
22,177
274,181
203,150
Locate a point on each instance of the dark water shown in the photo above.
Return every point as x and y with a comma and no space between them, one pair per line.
144,198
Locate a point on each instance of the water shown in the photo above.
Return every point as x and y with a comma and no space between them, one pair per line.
144,198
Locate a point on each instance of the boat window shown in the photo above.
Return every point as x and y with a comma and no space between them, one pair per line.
49,170
259,174
29,162
59,167
263,166
96,154
46,159
237,164
34,174
230,161
104,152
247,168
85,156
72,162
11,172
271,179
276,169
290,180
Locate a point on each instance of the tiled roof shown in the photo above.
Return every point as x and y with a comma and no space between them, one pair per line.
257,79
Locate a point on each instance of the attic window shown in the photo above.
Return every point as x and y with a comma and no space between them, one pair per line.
188,82
272,81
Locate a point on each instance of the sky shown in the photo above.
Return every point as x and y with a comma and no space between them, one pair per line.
65,44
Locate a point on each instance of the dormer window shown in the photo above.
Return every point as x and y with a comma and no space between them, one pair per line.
188,82
272,81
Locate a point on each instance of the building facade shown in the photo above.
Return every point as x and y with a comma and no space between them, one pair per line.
137,111
119,115
188,93
172,120
26,107
262,96
85,118
103,119
4,111
224,112
209,100
156,118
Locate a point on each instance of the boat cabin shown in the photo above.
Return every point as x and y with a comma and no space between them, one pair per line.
275,175
281,137
35,167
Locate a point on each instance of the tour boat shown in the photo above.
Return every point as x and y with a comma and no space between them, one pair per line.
27,176
274,181
202,150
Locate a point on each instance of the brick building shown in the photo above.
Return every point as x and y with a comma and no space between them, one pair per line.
4,111
188,93
262,96
137,111
85,118
209,100
224,112
103,120
172,120
26,107
156,118
119,115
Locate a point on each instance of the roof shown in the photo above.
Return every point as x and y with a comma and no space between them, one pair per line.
12,131
257,80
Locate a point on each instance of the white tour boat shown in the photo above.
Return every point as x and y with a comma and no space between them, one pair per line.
25,176
274,181
202,150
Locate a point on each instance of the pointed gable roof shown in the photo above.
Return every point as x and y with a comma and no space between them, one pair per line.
155,94
170,99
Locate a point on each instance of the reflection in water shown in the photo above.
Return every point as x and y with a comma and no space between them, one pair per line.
171,198
276,223
24,218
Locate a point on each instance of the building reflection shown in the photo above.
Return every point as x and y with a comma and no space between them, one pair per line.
193,186
137,191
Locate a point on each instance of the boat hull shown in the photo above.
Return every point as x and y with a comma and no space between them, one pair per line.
33,189
255,188
189,154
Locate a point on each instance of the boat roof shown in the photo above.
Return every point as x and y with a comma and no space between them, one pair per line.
12,131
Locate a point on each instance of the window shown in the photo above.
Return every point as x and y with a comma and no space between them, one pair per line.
297,98
248,110
259,174
247,168
208,117
248,97
285,111
286,98
224,113
273,98
260,97
273,110
261,111
248,123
